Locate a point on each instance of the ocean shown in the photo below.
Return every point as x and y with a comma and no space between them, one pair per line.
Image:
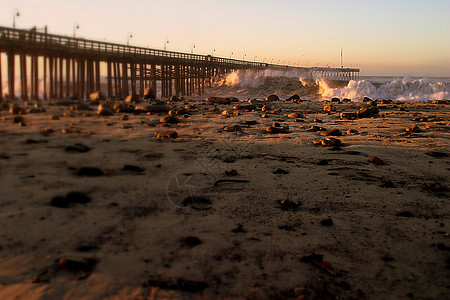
401,88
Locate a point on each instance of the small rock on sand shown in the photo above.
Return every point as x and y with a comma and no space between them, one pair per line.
166,134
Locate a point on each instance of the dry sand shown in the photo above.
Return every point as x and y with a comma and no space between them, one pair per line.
287,227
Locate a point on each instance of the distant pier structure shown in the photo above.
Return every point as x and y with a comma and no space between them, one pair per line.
56,66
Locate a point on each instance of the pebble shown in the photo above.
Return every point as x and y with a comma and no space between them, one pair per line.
377,161
295,115
326,222
352,131
367,112
106,112
332,132
169,119
330,142
436,154
89,171
272,97
132,168
273,129
328,108
280,171
348,115
413,129
78,148
18,120
166,134
233,128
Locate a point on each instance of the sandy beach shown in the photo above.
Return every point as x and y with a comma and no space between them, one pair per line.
330,204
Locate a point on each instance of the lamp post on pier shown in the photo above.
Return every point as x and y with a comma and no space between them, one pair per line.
129,35
212,52
165,44
75,27
192,48
16,14
231,53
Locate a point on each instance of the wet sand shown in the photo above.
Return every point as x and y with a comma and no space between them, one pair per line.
97,207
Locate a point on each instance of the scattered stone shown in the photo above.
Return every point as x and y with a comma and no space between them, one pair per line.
191,241
71,198
348,115
78,197
293,97
54,117
169,120
166,134
295,115
288,204
98,95
239,229
233,128
249,123
89,171
406,214
132,98
352,131
78,148
330,142
434,187
346,100
232,172
388,185
317,121
273,129
18,120
272,97
377,161
367,112
218,100
244,107
443,101
332,132
413,129
326,222
316,128
323,162
132,168
328,108
68,114
436,154
106,112
76,265
280,171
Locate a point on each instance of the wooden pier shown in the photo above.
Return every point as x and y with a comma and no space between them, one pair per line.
56,66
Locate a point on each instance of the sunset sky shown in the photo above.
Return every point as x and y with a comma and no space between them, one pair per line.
384,37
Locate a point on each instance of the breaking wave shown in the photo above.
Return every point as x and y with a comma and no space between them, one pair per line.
399,89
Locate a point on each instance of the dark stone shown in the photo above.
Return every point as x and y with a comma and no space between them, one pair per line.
332,132
232,172
406,214
280,171
436,154
192,241
78,148
239,229
59,201
367,112
293,97
76,265
326,222
89,171
388,185
272,97
323,162
78,197
132,168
